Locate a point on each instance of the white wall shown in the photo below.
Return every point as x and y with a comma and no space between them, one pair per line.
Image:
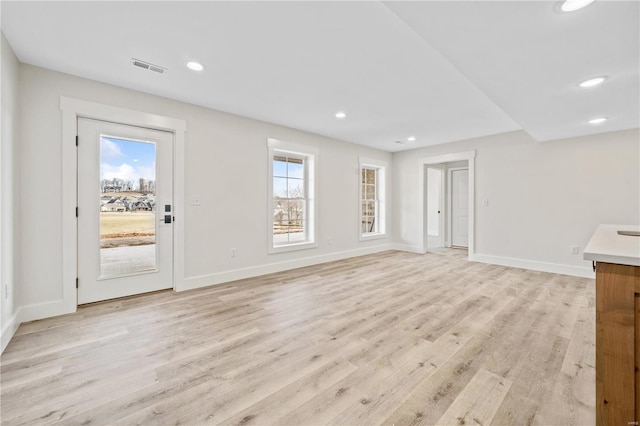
543,196
226,166
8,184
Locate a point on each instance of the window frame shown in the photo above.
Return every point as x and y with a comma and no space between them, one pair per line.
380,168
309,155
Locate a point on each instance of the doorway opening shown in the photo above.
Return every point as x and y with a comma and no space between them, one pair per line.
448,201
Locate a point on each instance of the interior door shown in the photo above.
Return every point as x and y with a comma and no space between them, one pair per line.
125,210
460,208
435,206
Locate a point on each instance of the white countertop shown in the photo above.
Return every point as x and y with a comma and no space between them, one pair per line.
607,246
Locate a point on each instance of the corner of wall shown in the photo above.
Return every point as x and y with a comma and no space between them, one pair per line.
8,330
9,201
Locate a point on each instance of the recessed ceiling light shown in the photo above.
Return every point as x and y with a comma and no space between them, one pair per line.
573,5
411,138
598,120
592,82
195,66
341,114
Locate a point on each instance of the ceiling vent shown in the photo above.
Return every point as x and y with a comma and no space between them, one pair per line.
148,66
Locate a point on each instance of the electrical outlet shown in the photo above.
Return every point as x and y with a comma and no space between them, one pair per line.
233,252
485,202
574,249
195,200
6,291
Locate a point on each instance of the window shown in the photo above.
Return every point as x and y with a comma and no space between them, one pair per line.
292,189
372,206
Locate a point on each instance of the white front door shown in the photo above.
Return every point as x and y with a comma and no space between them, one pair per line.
125,210
460,208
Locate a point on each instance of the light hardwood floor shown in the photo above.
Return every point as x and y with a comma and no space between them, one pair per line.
391,338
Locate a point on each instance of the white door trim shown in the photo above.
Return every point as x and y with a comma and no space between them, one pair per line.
71,110
469,156
450,203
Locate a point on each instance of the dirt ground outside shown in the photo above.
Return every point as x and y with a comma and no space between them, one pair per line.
127,229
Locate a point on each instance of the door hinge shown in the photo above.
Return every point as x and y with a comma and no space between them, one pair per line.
77,282
76,212
76,140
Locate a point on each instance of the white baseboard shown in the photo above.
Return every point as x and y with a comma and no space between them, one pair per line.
32,313
254,271
407,247
45,310
9,329
58,307
556,268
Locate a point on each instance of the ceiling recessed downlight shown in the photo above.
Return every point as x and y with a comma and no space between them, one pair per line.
411,138
592,82
573,5
195,66
598,120
341,114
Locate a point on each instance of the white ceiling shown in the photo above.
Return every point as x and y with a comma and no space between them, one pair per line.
439,71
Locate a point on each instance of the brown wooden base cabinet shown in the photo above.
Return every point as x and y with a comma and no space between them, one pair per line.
617,344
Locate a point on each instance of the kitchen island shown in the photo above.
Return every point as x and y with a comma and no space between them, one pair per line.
615,251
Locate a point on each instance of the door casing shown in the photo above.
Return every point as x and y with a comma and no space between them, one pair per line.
469,156
72,109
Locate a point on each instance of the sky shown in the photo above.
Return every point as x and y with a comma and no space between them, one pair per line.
288,179
128,160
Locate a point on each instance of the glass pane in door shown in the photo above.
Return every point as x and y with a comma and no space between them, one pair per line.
127,206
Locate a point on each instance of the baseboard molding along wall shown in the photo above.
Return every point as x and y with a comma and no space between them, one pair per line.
8,330
255,271
31,313
50,309
556,268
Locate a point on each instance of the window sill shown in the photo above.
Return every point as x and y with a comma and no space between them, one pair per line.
373,236
291,247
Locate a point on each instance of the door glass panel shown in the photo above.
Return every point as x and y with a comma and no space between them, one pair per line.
127,206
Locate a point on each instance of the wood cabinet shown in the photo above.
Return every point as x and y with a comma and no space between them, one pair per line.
617,344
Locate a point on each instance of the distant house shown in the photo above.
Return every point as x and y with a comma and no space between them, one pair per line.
104,200
141,206
113,205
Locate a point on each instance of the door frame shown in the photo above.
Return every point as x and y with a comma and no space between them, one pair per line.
72,109
469,156
450,203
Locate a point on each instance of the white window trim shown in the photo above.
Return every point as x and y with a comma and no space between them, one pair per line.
381,177
311,171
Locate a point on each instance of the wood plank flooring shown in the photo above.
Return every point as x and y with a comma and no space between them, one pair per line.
392,338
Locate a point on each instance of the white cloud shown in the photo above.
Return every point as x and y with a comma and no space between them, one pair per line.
109,150
127,172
